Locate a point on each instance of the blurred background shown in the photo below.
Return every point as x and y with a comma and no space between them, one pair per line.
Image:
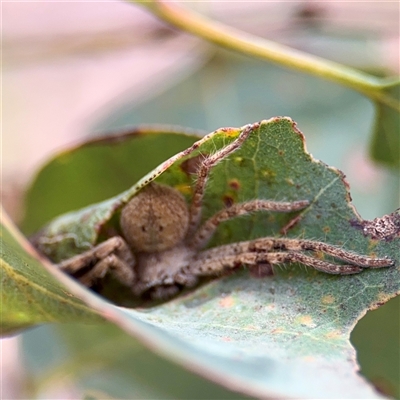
78,69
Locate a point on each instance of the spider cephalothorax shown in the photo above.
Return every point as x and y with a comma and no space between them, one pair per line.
161,247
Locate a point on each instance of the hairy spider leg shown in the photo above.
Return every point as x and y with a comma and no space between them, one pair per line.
204,171
113,254
334,251
207,230
270,244
221,264
113,264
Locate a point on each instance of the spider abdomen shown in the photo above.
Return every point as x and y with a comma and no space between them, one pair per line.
155,220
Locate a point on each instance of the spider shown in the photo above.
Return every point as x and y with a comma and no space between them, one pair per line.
161,247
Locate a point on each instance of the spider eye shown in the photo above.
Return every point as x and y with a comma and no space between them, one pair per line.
160,228
144,228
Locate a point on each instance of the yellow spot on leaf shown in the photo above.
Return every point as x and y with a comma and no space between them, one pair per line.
252,328
328,299
184,189
289,181
305,320
372,244
231,132
227,302
268,174
333,335
278,330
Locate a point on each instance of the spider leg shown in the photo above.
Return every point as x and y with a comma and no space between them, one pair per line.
203,173
270,244
218,266
113,255
301,245
206,231
319,265
112,264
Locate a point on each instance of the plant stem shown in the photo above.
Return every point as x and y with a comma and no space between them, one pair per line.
245,43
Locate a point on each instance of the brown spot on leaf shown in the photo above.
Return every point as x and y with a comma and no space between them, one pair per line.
228,200
234,184
326,229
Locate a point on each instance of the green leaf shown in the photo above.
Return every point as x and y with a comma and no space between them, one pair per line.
98,169
273,336
385,145
30,295
104,362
